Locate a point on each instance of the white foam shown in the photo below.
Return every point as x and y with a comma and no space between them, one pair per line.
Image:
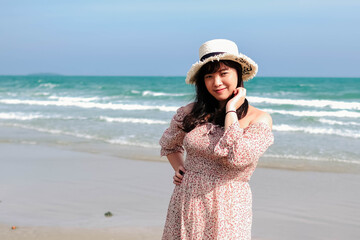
86,105
309,158
55,131
307,103
74,99
120,141
339,114
20,116
333,122
157,94
128,143
42,94
30,116
48,85
315,130
133,120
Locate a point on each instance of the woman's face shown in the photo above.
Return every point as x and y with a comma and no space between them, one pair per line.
221,84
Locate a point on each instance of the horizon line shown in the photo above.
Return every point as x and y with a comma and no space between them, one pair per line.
184,76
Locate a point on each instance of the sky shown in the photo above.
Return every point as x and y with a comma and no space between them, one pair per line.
303,38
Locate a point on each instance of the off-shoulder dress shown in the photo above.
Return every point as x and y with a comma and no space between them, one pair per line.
214,199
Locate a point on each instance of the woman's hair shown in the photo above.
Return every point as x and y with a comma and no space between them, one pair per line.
206,107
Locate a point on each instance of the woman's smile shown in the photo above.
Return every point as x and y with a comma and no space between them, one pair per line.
220,90
222,83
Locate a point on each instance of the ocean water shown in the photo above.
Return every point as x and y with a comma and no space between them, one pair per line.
316,121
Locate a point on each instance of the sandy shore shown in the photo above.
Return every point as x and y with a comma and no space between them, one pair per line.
51,193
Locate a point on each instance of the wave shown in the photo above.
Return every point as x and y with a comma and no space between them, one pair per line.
87,105
295,157
133,120
12,94
54,131
42,94
339,114
82,135
333,122
48,85
308,103
157,94
31,116
20,116
128,143
313,130
74,99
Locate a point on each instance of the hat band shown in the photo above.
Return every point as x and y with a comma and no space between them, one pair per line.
210,55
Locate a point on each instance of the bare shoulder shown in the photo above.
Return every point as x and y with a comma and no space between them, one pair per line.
260,116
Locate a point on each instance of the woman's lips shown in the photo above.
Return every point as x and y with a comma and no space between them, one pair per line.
220,90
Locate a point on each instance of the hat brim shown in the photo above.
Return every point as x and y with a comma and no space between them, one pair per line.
249,67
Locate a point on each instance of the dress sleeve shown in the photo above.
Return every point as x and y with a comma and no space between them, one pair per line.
239,147
172,139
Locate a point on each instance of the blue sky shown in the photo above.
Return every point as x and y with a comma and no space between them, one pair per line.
286,38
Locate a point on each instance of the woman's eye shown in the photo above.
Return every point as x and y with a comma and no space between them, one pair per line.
224,73
207,76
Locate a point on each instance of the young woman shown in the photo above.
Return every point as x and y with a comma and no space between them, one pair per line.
223,137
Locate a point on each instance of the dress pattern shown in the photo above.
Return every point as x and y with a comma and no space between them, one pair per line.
214,199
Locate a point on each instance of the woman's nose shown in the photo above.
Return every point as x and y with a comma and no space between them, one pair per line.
217,80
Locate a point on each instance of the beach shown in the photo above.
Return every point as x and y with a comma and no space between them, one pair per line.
73,148
57,193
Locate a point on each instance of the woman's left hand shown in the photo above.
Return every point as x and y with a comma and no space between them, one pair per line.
179,175
237,100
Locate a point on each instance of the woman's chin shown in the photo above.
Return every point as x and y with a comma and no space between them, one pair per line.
222,98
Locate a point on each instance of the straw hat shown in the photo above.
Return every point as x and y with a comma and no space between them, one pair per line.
222,49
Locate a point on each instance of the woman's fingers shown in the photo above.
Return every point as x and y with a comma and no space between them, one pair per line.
181,170
241,92
238,99
176,181
179,176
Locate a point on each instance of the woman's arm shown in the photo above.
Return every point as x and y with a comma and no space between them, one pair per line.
232,105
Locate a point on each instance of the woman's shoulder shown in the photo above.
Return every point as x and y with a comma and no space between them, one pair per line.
258,116
183,111
187,108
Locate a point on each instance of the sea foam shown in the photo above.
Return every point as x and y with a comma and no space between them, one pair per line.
339,114
317,130
333,122
87,104
308,103
133,120
309,158
157,94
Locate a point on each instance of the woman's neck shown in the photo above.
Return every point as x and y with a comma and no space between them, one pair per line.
221,104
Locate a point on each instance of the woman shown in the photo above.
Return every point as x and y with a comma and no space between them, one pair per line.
224,137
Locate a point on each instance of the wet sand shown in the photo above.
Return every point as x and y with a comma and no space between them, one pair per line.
52,193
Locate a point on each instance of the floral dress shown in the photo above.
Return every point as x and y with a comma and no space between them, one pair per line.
214,199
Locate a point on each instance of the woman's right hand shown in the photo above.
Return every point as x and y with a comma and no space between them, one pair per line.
237,100
179,174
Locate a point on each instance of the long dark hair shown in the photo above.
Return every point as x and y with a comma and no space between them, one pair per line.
206,107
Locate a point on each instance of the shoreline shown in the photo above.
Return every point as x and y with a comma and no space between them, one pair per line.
23,136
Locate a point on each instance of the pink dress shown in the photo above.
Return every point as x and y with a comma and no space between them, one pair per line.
214,200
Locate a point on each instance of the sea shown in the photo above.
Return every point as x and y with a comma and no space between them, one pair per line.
316,121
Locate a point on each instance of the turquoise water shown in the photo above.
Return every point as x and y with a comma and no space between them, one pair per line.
316,120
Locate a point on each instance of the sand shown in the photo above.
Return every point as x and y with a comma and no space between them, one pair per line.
53,193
